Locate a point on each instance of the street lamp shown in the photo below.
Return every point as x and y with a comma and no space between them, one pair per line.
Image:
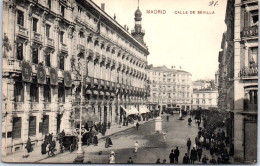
80,152
158,121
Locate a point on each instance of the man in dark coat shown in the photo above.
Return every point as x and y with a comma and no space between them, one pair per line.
44,145
171,157
176,154
199,151
188,145
186,159
189,120
28,146
137,125
193,155
95,140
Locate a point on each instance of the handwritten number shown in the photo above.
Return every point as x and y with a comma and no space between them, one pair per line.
213,3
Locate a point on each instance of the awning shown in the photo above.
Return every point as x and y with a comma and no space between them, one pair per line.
128,112
134,110
142,110
107,94
101,93
89,92
95,92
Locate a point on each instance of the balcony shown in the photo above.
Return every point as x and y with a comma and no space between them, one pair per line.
46,105
37,37
63,48
250,32
22,32
18,106
248,72
34,105
50,42
81,48
12,65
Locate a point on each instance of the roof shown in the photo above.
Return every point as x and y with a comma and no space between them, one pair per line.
166,69
205,90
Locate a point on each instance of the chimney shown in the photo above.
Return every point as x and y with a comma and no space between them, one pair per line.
114,16
103,6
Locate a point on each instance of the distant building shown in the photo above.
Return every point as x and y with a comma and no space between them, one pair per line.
203,84
169,88
204,98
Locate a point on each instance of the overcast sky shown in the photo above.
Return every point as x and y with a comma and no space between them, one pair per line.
191,41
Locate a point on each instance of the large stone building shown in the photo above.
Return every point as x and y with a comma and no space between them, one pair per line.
238,76
55,49
204,98
169,88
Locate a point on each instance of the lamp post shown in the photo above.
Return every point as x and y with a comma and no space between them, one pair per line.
158,121
80,152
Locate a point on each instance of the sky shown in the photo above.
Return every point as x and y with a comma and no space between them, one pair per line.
191,41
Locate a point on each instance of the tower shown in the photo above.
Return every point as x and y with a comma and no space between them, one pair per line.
138,32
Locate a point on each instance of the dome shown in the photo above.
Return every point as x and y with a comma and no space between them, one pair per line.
138,13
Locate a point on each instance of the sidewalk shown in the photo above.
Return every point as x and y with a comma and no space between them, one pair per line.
36,155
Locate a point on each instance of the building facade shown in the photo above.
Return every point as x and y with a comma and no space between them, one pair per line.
204,99
59,55
238,76
169,88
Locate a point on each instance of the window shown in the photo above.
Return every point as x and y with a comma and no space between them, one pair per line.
49,4
19,52
32,125
253,57
18,92
203,101
62,8
45,125
198,95
61,37
61,94
34,93
48,27
47,59
35,21
17,126
197,101
203,95
35,55
20,18
47,93
210,101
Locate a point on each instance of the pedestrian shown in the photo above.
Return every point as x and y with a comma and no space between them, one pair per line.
136,146
188,145
176,154
130,161
231,149
52,147
158,161
44,145
213,161
193,155
205,159
95,140
199,151
189,121
164,161
171,157
167,118
198,124
137,125
50,137
112,159
186,159
28,147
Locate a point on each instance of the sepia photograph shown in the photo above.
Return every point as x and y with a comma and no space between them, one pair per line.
129,82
